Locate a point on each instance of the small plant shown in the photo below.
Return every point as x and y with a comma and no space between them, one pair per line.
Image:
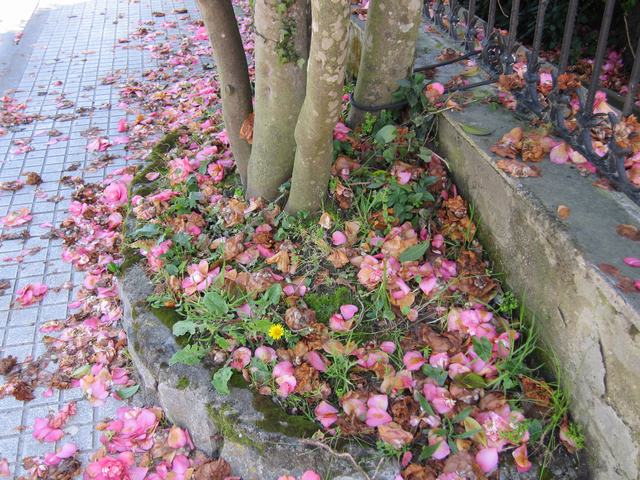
338,374
508,304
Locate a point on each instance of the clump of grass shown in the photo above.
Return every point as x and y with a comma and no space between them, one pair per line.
326,304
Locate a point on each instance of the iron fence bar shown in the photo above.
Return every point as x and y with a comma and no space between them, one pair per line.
630,99
570,22
470,35
453,19
599,58
491,21
471,85
508,55
532,64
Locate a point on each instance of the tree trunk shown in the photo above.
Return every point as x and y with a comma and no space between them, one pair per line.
387,52
231,64
325,79
280,91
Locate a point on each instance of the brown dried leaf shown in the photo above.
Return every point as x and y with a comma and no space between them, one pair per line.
628,231
33,178
518,169
563,212
213,470
246,130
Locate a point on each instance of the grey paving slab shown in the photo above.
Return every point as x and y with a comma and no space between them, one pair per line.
72,43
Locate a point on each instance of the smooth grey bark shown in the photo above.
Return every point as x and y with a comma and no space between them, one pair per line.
387,52
280,92
321,108
231,62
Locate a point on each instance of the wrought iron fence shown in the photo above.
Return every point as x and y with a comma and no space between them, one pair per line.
497,55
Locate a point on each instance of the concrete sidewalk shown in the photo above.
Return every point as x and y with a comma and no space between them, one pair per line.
72,42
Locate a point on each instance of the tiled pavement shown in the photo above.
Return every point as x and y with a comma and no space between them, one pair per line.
75,45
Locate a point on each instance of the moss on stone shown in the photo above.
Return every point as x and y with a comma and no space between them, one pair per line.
156,160
183,383
226,421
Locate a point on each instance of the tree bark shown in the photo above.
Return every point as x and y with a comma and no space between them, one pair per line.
387,52
231,62
319,114
280,91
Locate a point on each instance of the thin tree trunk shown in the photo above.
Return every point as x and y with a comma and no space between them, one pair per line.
387,52
280,91
231,63
325,79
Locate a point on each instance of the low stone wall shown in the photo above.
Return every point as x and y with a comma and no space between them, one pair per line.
258,439
588,325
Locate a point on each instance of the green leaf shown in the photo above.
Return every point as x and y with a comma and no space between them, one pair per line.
478,131
184,326
222,342
215,303
386,134
171,269
469,434
483,347
81,371
425,405
273,294
148,230
438,374
189,355
462,415
128,392
428,451
470,380
413,253
221,379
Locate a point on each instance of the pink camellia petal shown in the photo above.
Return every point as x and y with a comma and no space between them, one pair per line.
428,284
413,360
348,311
523,464
338,238
316,361
151,176
337,323
177,438
310,475
67,450
240,358
388,347
283,368
377,417
4,468
378,401
355,407
286,477
266,354
406,459
487,459
326,414
443,449
637,284
632,261
560,153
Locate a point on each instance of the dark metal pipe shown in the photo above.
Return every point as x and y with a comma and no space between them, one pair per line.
569,25
453,19
491,22
601,50
447,62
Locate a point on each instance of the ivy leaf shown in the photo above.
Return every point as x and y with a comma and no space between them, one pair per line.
215,303
478,131
274,293
189,355
413,253
221,379
386,134
184,326
483,347
128,392
428,451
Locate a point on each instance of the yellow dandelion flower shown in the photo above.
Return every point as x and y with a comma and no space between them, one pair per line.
276,331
